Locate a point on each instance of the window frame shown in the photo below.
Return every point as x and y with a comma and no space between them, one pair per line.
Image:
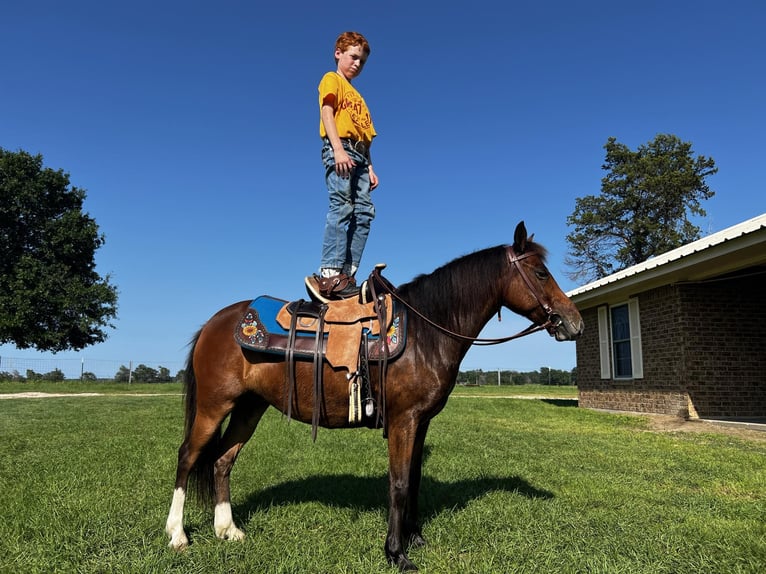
606,341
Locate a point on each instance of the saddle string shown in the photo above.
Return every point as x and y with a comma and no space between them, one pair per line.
380,310
290,366
318,368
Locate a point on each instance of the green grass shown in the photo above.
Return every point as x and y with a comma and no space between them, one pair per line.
87,387
554,392
112,387
509,486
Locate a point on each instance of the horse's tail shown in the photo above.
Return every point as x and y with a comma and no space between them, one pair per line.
201,474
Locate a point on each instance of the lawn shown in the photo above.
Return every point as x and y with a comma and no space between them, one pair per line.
510,485
512,391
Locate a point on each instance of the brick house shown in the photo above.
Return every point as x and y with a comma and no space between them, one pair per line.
683,333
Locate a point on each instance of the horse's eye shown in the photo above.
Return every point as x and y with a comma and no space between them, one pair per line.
542,275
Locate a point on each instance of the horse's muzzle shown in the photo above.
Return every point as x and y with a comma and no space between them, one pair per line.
564,330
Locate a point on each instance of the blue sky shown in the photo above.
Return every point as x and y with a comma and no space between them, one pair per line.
193,126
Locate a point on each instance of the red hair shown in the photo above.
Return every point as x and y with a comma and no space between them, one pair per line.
348,39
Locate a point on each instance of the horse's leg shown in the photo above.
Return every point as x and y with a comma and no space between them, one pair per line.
401,442
202,431
412,534
244,418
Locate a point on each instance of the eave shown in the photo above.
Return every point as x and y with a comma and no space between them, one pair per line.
738,247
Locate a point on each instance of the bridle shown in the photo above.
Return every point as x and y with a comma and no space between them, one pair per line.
377,280
552,319
551,322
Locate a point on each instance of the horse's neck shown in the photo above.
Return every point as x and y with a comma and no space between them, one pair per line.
465,318
462,296
480,318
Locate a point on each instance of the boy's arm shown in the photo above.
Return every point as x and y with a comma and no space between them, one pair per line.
373,178
343,163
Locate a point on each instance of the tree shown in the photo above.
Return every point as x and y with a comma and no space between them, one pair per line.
644,207
545,376
56,375
51,297
144,374
122,375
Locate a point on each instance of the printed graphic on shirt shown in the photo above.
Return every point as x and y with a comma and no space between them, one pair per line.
354,106
352,117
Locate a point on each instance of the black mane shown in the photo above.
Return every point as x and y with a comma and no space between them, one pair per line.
456,290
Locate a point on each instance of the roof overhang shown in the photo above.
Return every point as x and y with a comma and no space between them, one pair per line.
727,251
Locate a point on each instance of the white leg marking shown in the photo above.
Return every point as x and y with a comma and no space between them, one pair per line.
174,527
225,529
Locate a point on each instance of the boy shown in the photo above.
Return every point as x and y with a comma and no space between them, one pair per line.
347,132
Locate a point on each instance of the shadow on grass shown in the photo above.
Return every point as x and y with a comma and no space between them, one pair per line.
371,493
561,402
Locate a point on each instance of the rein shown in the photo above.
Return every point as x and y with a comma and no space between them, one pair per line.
513,259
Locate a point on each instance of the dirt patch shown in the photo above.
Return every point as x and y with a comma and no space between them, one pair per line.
38,395
669,423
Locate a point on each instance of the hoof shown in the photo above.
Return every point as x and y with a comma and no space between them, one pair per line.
230,533
179,543
403,563
416,540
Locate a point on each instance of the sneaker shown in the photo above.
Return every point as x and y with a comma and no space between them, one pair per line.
340,286
347,292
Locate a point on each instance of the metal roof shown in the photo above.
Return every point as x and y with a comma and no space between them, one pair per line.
737,247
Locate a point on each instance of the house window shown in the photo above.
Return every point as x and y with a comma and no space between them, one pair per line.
619,332
620,323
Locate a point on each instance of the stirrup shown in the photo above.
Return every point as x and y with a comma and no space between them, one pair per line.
312,288
326,289
339,286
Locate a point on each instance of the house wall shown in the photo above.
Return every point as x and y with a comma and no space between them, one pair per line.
704,353
725,329
660,389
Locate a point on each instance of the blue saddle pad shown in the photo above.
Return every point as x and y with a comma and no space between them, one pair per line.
259,330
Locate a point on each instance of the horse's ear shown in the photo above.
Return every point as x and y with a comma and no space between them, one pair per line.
520,238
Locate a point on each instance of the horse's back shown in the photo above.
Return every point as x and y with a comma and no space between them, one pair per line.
225,371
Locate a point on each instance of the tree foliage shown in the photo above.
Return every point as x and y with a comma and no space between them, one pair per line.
643,211
51,297
143,374
56,375
544,376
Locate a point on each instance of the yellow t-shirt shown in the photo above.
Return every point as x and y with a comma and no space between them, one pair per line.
352,117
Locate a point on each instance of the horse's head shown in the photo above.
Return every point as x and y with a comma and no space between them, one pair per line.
534,293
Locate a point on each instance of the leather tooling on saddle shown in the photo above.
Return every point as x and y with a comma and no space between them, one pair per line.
265,327
345,333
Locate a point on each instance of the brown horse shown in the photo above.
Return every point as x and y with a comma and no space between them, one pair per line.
451,306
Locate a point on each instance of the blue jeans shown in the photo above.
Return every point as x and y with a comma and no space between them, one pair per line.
350,214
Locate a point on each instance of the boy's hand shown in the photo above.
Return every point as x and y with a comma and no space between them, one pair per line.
373,178
344,165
